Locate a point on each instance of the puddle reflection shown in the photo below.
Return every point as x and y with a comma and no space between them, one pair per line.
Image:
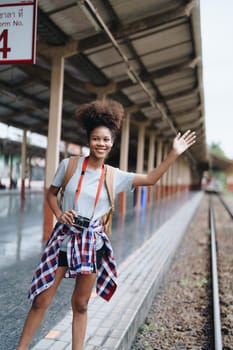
132,230
21,227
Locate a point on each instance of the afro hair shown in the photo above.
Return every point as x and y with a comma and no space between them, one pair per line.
108,113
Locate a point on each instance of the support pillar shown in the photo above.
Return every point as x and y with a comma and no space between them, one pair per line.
23,164
140,159
158,161
185,177
169,179
178,179
54,133
102,92
182,172
29,171
11,171
164,177
188,181
174,178
151,161
124,152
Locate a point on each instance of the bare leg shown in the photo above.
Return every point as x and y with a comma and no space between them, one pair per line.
80,298
37,311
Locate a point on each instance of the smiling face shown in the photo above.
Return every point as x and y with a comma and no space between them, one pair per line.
100,142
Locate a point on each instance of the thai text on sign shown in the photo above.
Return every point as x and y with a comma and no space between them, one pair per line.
18,32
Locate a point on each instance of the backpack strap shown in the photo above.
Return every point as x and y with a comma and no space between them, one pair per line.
72,165
107,218
109,184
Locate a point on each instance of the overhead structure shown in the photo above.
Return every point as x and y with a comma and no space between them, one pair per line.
147,55
219,162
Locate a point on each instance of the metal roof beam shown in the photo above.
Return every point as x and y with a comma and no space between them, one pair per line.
48,31
183,93
18,96
187,111
42,75
15,114
163,72
89,69
101,91
67,50
135,27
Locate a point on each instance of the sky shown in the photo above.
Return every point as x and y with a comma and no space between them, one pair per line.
217,61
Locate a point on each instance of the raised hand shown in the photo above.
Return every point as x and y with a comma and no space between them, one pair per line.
182,142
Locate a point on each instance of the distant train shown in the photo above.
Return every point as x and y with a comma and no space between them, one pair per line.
211,185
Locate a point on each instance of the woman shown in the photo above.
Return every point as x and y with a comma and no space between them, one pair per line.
78,246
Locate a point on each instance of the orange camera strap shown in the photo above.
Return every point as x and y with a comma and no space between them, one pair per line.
84,167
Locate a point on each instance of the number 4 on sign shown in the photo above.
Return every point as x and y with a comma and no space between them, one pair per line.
4,38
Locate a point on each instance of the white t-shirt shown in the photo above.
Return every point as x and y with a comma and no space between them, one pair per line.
85,204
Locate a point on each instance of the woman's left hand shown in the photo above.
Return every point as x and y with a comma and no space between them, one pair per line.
182,142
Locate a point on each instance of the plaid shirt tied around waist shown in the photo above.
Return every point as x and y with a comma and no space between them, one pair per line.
81,257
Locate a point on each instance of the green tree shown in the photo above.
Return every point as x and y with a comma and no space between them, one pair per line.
216,149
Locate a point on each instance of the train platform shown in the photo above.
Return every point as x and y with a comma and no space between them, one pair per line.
144,243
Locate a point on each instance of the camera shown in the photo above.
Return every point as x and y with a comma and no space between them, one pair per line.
81,221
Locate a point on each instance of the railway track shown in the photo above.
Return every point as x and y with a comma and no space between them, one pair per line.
182,316
219,273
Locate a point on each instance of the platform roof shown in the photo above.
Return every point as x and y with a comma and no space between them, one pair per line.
154,68
220,162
